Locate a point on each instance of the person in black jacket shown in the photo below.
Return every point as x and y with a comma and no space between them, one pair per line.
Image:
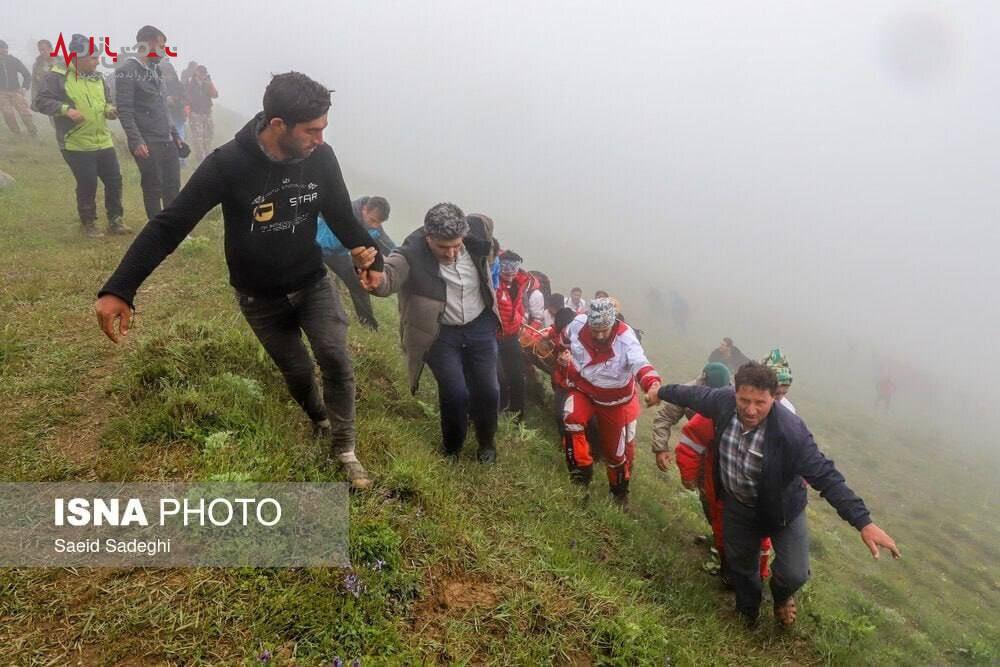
272,181
153,140
727,353
762,453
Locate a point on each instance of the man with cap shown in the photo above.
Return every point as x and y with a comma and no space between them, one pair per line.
600,370
77,99
512,304
449,320
12,92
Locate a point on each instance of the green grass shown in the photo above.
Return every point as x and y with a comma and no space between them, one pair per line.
460,563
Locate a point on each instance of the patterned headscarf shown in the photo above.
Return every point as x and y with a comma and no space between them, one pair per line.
601,314
779,364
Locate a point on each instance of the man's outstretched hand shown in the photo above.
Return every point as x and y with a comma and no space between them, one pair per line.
874,538
111,309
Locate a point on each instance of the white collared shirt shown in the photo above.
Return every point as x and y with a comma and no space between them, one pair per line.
463,301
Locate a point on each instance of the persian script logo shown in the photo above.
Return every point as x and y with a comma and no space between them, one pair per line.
109,57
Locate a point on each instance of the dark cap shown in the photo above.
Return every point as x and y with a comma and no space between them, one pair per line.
79,44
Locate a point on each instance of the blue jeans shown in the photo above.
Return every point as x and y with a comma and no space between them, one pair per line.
316,311
464,362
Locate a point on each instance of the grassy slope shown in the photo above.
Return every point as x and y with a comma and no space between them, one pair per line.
497,565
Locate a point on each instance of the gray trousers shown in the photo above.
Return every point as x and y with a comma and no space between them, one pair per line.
316,311
741,535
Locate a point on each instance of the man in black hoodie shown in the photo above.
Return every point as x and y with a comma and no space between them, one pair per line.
272,181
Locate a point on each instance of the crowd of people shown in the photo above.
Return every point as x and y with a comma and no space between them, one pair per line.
484,325
157,109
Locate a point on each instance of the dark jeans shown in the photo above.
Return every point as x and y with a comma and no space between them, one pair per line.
464,362
741,535
87,167
160,176
511,375
316,311
343,266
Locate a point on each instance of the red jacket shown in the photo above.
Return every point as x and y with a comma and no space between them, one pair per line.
511,306
692,454
696,462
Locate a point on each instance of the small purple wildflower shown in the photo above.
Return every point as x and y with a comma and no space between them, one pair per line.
378,565
265,656
354,585
337,662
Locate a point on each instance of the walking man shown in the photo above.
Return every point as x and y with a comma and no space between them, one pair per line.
142,107
449,320
76,97
272,180
762,452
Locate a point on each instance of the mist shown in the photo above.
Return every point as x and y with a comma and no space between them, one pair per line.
816,177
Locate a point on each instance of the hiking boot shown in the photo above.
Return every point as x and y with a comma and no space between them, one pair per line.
619,493
355,472
117,228
487,455
582,476
91,231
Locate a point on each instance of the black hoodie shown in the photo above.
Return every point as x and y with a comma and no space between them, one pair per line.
269,209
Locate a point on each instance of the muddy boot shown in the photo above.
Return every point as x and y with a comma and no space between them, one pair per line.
355,472
90,230
487,455
117,228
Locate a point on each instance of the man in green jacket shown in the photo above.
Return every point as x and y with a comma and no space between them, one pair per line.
76,97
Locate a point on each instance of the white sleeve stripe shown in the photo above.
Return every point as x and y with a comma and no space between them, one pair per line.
699,449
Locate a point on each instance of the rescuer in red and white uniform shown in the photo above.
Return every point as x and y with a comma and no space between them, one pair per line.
600,370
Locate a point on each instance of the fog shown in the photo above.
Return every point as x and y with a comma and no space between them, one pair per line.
819,176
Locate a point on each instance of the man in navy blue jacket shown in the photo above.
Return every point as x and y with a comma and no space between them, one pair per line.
762,453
